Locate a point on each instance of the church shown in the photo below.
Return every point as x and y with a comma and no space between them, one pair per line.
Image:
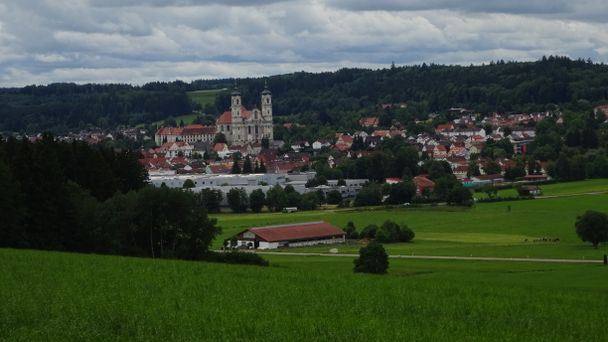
241,126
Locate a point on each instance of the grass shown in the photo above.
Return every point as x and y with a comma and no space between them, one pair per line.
487,229
204,97
58,296
187,119
559,189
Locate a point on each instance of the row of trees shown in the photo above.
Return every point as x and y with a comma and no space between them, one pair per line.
389,231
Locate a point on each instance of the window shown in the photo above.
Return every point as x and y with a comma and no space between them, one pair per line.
249,129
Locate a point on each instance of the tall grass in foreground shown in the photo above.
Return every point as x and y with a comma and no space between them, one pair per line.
57,296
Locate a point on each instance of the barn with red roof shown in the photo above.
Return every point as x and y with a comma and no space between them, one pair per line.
290,235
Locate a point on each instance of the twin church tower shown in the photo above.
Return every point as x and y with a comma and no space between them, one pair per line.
241,126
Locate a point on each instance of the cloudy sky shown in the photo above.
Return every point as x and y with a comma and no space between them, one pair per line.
137,41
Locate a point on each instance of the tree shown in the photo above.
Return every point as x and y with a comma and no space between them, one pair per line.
370,194
351,231
492,168
219,138
247,166
237,200
369,231
309,201
276,199
262,167
236,169
188,184
334,197
592,227
257,198
265,143
459,195
473,169
372,259
210,199
402,192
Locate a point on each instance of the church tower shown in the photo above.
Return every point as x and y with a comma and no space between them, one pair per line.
266,103
267,128
235,104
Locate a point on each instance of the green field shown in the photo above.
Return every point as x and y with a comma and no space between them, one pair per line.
73,297
487,229
187,119
559,189
204,97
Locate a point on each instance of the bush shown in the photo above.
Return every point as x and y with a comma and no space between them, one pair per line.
257,198
372,259
351,231
393,232
369,231
334,197
370,194
236,257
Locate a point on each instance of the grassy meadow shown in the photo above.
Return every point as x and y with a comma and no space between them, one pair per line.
502,229
204,97
60,296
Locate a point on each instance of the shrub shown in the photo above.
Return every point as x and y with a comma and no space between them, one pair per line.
369,231
334,197
351,231
236,257
372,259
393,232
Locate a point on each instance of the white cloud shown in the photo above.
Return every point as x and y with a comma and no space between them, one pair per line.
140,41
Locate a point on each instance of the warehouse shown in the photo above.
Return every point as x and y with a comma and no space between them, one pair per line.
289,235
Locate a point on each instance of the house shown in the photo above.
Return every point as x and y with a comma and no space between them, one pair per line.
290,235
319,144
173,149
423,185
221,149
369,121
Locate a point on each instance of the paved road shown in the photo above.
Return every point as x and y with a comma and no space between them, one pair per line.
439,257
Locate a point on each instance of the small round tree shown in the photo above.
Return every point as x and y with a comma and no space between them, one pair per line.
372,259
592,227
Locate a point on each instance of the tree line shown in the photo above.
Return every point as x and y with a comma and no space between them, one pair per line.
75,197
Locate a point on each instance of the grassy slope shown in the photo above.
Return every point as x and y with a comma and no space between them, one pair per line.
204,97
56,296
488,229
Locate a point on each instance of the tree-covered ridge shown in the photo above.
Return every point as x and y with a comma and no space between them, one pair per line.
337,98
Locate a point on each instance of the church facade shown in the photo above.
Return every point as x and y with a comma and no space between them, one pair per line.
241,126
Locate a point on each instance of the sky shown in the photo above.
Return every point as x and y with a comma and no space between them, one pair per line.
137,41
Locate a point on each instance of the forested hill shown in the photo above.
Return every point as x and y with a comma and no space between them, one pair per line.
319,97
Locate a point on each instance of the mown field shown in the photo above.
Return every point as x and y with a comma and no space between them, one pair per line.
73,297
204,97
503,229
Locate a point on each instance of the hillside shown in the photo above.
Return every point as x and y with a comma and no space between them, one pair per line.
57,296
331,98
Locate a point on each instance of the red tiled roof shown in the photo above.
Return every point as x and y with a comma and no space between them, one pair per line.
369,121
298,231
226,117
169,131
198,130
423,182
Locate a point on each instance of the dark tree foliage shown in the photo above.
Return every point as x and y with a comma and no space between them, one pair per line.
351,231
247,167
592,227
334,197
237,200
390,231
372,259
369,231
257,198
370,194
210,199
401,192
57,208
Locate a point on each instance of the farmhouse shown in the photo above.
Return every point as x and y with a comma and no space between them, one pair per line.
290,235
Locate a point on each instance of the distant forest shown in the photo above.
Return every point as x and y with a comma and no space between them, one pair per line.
331,98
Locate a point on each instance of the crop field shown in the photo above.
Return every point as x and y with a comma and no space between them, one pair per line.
542,228
204,97
560,189
60,296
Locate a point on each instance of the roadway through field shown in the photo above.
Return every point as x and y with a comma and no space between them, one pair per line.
439,257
